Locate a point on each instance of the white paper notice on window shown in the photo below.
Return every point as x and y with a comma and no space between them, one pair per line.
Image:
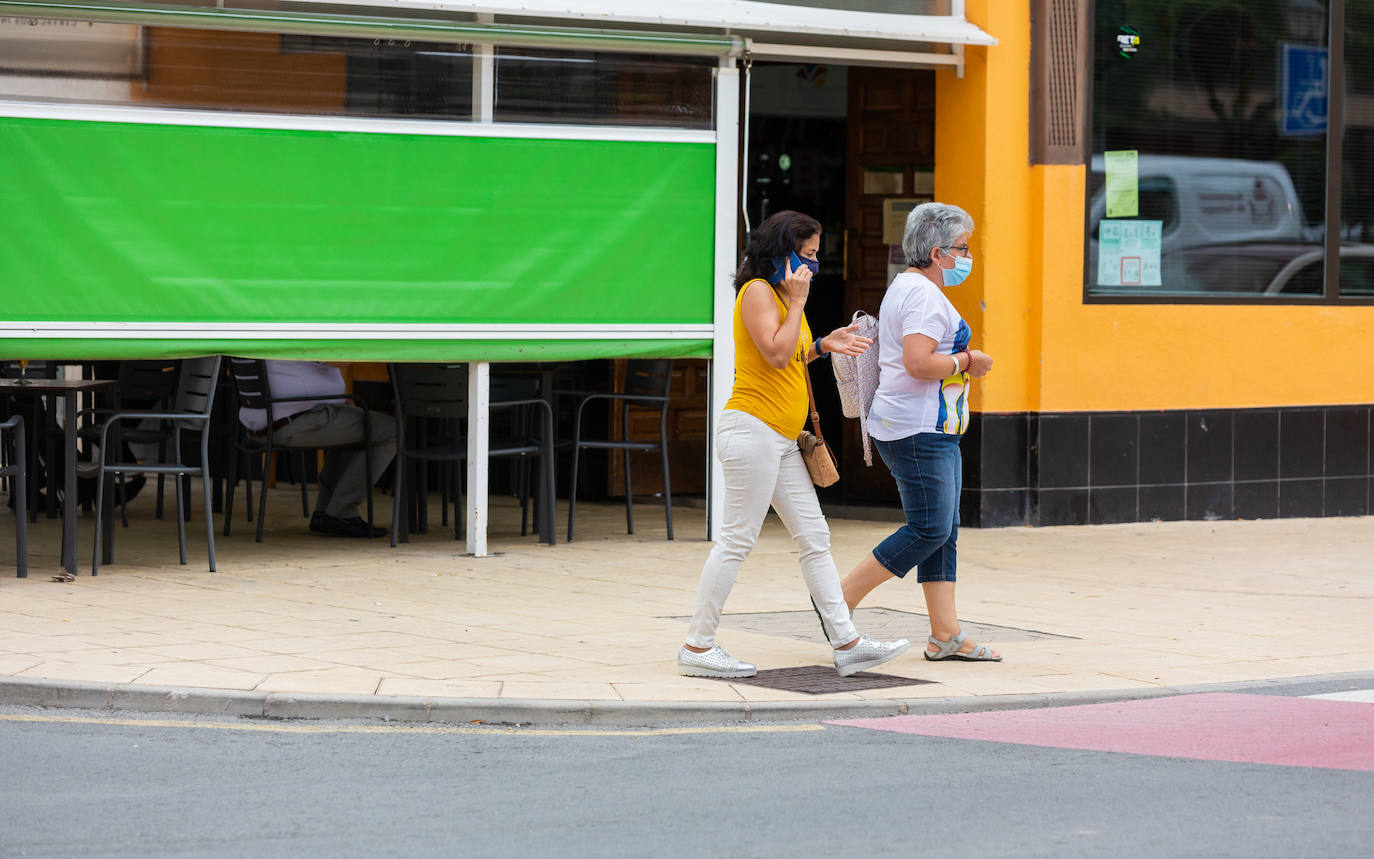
1128,253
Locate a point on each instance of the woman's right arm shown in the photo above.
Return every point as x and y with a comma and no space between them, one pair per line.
774,335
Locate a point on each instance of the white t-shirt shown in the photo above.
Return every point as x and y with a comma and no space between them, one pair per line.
905,406
295,378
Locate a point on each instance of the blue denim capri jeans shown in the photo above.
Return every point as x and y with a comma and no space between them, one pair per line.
930,475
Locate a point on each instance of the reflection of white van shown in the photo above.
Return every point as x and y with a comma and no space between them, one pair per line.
1210,201
1204,203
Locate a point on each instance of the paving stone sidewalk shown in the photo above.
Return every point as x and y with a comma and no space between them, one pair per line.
594,626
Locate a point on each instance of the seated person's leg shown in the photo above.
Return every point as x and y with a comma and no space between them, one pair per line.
343,479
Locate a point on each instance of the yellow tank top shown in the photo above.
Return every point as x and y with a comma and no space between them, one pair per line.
776,397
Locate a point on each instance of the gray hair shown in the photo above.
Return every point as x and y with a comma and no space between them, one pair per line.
931,226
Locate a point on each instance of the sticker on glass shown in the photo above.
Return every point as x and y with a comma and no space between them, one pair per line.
1128,253
1127,41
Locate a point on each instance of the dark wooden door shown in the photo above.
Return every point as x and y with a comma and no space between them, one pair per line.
891,158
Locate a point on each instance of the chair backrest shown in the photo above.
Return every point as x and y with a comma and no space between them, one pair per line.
150,384
250,383
196,388
648,377
12,444
430,390
35,370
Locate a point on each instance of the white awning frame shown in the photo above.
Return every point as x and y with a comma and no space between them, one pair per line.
729,28
771,31
714,15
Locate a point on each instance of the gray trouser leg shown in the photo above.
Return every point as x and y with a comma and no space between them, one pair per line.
343,481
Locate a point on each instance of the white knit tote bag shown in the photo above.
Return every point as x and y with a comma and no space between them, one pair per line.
856,377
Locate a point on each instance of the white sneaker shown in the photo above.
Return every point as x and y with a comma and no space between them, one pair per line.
868,653
713,663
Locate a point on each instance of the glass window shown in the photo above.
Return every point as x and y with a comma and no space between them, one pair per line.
1357,175
215,69
602,89
324,75
1209,145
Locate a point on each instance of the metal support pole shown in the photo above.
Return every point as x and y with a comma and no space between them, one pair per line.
483,77
723,300
479,442
956,8
1335,138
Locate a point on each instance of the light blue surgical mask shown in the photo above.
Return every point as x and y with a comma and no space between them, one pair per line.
963,267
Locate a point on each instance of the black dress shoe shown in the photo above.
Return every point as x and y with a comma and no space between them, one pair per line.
134,485
86,486
358,527
323,523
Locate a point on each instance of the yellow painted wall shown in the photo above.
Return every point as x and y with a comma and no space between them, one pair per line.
1024,302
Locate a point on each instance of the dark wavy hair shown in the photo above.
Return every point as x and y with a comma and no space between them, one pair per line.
778,236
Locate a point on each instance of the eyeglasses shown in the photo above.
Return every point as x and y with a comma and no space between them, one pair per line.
963,248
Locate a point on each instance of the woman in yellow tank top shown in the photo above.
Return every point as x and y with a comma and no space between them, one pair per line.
756,442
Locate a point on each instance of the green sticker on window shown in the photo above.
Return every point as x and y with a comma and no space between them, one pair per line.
1123,194
1128,253
1127,41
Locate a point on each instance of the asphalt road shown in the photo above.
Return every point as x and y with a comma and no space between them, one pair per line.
97,784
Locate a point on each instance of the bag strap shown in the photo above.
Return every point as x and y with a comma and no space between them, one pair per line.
811,401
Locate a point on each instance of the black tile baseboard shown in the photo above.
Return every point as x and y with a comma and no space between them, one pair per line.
1257,446
1302,434
1209,501
1162,446
1102,467
1064,441
1163,503
1256,500
1346,496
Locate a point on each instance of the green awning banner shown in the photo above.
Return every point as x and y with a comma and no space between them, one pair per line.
162,228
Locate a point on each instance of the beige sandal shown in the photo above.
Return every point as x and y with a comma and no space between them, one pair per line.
950,650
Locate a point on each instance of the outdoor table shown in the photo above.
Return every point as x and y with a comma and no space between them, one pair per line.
69,389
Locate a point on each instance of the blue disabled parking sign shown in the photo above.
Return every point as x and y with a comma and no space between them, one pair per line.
1303,88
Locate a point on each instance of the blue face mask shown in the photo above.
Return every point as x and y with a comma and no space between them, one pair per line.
963,267
780,267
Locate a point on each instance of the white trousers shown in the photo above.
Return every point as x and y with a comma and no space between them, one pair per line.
762,468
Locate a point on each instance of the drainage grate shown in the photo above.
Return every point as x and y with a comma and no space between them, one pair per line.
880,623
822,680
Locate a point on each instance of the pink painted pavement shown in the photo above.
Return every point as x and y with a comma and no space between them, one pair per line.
1258,729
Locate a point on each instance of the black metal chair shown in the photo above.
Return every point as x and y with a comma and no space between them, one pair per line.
151,385
195,397
42,428
16,469
431,415
254,391
646,386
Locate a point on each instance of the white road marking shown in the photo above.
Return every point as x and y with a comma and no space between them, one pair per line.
1362,696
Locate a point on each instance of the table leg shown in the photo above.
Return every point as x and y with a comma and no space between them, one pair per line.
69,482
546,491
107,511
548,525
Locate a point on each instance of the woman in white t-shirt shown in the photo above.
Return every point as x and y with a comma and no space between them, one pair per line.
918,415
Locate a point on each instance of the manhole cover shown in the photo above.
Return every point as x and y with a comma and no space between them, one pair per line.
822,680
880,623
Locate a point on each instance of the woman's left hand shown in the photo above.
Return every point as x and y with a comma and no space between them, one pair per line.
847,341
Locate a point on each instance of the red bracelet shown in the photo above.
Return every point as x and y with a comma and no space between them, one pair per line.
969,362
